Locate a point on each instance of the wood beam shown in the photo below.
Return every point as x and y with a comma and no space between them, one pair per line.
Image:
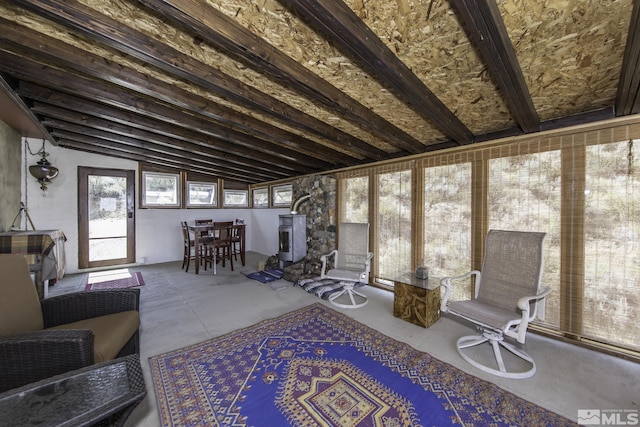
72,145
173,122
150,154
342,27
60,59
23,109
484,25
628,96
124,39
81,114
195,155
227,36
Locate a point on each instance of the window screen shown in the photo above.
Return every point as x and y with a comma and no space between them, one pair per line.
447,224
612,244
524,195
394,224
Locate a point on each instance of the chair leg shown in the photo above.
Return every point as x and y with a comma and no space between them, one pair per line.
186,258
497,341
348,289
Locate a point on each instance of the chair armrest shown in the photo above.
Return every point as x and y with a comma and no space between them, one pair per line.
32,356
78,306
446,282
524,302
323,259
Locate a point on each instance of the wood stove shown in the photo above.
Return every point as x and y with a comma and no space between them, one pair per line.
292,238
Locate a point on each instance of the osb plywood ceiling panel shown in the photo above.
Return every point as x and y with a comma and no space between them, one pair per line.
256,91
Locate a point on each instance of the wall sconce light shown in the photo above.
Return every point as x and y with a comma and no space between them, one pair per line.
43,170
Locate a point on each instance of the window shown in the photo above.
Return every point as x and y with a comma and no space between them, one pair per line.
160,190
393,255
524,194
202,194
612,244
281,195
236,198
355,202
447,223
260,197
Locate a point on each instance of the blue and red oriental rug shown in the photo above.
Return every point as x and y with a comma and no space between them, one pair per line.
318,367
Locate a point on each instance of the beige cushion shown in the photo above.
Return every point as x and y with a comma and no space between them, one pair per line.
20,309
110,332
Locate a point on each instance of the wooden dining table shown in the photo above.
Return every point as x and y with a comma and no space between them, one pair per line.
199,229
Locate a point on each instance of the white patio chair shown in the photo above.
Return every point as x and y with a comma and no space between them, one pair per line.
506,295
352,263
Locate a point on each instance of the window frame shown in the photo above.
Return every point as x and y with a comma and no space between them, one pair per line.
255,191
176,176
227,191
276,188
190,205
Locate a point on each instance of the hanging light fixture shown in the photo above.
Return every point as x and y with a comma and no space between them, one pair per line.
43,170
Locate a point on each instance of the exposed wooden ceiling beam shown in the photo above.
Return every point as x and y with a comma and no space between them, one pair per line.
20,41
134,157
160,134
164,118
151,153
83,113
350,34
191,152
484,25
223,33
125,39
24,110
628,96
143,139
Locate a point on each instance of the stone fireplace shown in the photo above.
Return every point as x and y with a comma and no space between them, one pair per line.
320,213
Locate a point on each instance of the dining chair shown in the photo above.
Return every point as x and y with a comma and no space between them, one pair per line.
204,239
235,239
220,245
189,246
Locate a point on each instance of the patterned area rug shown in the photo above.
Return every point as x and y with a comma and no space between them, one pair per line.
113,280
317,367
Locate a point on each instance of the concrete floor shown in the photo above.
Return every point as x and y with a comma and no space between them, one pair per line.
179,309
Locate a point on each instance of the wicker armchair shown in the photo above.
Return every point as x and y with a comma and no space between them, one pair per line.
43,338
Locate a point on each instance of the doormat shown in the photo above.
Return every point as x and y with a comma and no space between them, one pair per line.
317,367
265,276
118,279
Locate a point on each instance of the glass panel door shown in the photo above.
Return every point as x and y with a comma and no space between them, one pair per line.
106,220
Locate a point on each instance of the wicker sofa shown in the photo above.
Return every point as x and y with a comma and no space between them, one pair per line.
43,338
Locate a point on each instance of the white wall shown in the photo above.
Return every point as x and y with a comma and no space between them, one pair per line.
158,235
264,231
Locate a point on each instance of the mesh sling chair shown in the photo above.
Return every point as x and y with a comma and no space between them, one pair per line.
506,295
351,262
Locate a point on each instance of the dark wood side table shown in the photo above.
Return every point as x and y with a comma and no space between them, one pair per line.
106,392
416,300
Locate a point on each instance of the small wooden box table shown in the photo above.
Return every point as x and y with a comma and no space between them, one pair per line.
416,300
